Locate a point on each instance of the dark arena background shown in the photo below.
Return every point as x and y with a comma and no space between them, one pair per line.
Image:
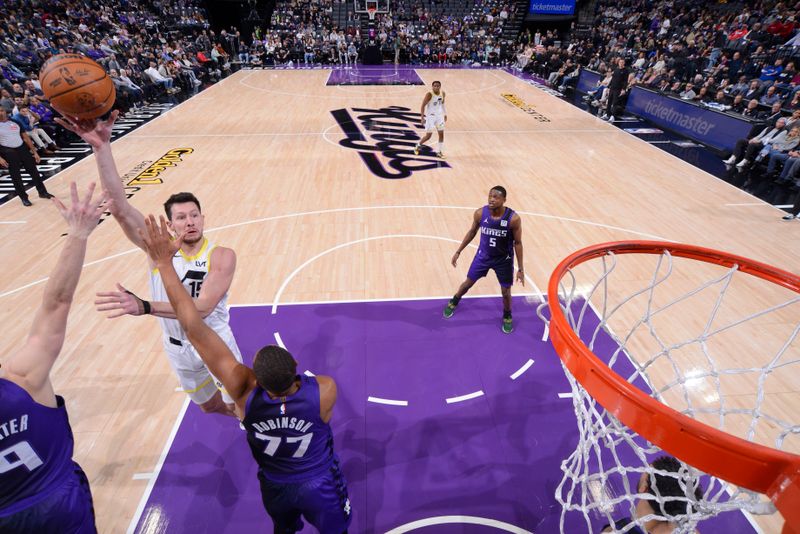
337,231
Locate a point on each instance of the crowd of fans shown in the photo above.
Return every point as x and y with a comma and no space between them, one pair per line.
718,54
737,58
305,31
150,48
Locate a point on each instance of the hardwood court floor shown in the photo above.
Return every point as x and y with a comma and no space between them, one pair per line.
278,188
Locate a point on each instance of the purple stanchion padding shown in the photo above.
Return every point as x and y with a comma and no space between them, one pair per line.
496,456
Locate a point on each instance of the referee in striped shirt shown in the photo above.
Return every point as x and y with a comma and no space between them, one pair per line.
17,151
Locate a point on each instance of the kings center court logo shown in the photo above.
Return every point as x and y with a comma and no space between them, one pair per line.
385,138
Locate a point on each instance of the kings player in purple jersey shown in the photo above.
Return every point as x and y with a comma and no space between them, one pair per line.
286,415
501,238
42,490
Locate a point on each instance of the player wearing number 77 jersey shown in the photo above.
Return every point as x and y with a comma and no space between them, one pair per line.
42,490
286,415
501,237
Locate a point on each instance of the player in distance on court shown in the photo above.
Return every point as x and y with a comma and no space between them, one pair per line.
434,117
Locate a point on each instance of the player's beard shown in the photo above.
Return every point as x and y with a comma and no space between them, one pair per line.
193,240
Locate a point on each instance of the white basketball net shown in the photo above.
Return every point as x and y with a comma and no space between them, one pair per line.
690,375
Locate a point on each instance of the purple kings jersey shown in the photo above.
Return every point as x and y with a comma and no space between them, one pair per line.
35,448
288,438
497,239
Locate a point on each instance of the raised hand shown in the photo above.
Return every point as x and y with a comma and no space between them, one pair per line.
157,240
93,131
82,215
119,303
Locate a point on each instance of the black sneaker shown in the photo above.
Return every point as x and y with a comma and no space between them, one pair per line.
45,195
26,202
789,217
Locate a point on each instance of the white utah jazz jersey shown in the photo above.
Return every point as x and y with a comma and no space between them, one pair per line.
435,106
192,271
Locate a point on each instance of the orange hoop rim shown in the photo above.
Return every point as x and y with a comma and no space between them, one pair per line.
756,467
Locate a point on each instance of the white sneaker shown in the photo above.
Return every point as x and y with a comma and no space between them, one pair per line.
789,217
611,119
731,160
742,164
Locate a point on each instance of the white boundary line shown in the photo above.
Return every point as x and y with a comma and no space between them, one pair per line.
459,520
390,299
741,204
362,208
390,402
363,240
279,341
13,222
565,395
159,465
462,398
324,133
388,90
522,369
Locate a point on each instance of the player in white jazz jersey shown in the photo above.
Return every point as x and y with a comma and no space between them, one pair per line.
434,115
205,269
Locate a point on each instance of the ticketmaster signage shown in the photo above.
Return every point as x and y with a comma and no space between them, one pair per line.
717,130
552,7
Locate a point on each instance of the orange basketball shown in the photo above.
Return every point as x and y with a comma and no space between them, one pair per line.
76,86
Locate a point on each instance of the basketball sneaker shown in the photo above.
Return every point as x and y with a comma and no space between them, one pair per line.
450,309
440,155
789,217
416,150
508,324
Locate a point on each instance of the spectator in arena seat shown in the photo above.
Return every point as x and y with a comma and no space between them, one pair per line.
28,121
113,64
32,90
738,105
156,77
43,111
746,150
6,101
352,53
752,111
770,97
775,113
688,93
791,169
740,87
778,150
754,91
794,119
10,72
